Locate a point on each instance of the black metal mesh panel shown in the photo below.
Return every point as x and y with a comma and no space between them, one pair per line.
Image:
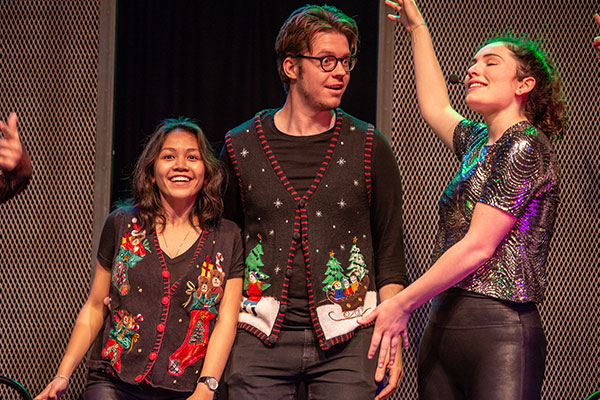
570,312
48,75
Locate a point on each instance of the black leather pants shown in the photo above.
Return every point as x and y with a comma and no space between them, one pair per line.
475,347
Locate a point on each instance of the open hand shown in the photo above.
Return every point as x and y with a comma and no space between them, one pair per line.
390,326
54,390
11,149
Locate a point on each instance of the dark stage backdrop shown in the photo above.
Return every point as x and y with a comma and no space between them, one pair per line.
215,62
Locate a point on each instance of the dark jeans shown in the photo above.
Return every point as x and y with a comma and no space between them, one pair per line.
100,386
256,371
476,347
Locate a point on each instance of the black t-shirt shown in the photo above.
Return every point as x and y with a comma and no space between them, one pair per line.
177,266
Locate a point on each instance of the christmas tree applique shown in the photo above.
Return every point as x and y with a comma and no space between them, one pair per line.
347,291
254,278
334,276
357,269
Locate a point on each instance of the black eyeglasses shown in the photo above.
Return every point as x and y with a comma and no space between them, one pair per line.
328,63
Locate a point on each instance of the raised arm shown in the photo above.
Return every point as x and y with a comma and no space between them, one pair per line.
88,325
432,94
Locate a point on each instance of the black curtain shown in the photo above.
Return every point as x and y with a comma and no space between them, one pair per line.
214,62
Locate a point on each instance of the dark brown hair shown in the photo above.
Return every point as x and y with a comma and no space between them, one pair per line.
298,30
546,107
208,206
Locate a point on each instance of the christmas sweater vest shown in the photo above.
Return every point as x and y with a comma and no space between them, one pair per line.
158,328
329,224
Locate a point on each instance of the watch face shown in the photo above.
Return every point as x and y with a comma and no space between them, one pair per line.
211,382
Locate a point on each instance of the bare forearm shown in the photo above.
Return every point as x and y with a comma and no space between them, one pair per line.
432,93
455,264
88,325
488,228
219,347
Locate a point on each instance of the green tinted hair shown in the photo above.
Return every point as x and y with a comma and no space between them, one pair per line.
546,106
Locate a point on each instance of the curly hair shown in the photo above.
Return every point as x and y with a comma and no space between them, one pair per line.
298,30
546,106
208,206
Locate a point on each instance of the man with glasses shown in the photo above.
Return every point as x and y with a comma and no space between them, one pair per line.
317,194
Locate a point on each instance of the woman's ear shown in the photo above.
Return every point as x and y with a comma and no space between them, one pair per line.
525,86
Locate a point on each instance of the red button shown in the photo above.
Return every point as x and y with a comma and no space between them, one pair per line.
165,300
165,274
153,355
139,378
160,328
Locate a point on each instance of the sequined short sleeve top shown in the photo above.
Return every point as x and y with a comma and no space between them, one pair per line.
519,175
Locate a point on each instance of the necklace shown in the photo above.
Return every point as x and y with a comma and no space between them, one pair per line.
180,244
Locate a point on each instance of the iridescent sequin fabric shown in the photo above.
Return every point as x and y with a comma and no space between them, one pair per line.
517,174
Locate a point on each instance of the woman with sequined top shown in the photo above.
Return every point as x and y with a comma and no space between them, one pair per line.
484,338
171,271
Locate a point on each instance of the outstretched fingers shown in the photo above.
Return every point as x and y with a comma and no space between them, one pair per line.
397,9
384,348
376,337
10,131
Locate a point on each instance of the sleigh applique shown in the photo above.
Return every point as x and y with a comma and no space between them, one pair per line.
347,289
352,305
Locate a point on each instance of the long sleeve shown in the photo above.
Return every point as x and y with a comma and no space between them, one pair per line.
386,216
232,200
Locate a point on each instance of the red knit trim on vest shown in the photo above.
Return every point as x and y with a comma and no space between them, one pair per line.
368,152
234,163
300,225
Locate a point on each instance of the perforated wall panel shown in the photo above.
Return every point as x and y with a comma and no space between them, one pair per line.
570,312
48,75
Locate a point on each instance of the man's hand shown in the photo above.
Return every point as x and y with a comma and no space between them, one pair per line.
396,371
11,149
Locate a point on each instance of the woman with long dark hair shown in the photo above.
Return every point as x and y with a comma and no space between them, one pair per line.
484,338
169,265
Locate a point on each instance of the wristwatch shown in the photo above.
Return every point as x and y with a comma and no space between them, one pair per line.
209,381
